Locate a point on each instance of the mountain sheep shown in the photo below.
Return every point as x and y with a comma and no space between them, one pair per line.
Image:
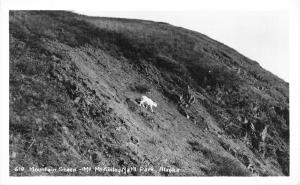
147,102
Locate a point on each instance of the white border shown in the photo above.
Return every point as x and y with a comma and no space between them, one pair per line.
156,5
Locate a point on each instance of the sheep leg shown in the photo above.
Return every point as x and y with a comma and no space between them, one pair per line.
141,104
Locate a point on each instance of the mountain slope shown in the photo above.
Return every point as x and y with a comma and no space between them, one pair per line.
75,84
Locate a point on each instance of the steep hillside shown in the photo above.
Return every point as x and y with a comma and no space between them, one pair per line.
75,84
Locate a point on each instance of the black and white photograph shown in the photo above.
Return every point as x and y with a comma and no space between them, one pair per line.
148,93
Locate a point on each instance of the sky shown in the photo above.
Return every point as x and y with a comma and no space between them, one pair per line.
262,36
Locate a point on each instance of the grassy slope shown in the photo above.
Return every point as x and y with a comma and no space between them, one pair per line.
74,83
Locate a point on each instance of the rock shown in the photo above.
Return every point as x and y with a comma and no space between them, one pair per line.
40,152
134,140
77,99
54,58
95,157
13,155
264,133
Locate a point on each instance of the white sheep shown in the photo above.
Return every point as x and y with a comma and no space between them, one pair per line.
147,102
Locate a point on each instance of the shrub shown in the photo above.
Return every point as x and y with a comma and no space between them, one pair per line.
229,167
141,88
221,165
132,105
167,63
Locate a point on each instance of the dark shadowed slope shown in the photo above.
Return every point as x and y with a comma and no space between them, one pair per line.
75,82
